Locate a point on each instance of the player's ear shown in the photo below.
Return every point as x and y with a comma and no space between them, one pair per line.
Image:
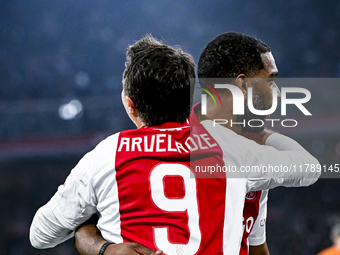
242,84
131,105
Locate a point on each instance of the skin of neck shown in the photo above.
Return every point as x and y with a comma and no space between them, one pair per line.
139,123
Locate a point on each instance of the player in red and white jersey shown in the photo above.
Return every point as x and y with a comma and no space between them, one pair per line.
237,56
144,183
157,94
211,231
240,45
254,231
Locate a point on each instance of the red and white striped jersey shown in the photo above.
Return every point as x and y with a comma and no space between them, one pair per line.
144,185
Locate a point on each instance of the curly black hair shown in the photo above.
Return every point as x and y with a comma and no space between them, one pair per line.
231,54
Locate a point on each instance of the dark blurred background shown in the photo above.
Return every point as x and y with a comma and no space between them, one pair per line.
61,64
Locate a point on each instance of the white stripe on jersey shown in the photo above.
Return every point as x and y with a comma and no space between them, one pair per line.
232,231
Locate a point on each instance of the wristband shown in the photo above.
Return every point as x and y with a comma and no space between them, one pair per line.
102,250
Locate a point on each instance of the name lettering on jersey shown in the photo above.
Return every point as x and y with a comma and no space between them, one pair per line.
150,149
202,142
166,143
152,143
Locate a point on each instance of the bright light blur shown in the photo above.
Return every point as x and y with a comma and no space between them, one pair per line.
71,110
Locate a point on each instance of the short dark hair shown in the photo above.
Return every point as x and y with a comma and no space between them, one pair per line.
231,54
159,79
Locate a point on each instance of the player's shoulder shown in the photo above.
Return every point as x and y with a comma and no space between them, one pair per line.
214,127
101,160
218,130
224,136
230,141
104,150
108,142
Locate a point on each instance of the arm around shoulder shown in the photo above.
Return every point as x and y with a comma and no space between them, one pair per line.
283,162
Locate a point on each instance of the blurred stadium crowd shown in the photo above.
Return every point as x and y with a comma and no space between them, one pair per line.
61,64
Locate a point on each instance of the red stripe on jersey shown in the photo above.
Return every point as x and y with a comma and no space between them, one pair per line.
250,214
160,204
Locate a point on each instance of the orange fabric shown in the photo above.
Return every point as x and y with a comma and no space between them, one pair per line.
333,250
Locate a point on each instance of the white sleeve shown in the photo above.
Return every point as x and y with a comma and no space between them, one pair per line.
257,235
74,202
241,152
284,151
